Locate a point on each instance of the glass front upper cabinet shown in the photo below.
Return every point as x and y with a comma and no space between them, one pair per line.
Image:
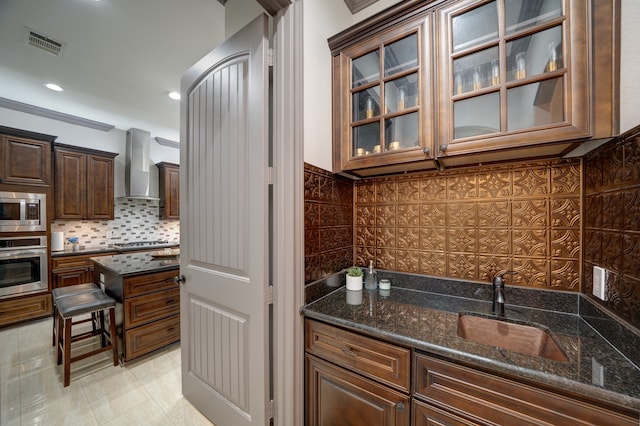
385,97
504,62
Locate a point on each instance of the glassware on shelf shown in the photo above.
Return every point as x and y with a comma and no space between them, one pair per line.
477,84
495,72
552,63
369,109
458,82
521,68
401,98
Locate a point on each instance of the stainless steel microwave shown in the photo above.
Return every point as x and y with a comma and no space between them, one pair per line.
22,212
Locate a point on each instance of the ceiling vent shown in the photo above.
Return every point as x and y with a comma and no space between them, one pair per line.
43,42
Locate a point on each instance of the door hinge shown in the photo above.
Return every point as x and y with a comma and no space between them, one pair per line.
271,408
269,175
270,57
269,295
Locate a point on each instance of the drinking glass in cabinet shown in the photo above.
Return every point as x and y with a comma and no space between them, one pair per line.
401,55
475,71
475,27
523,14
535,54
401,132
365,69
366,104
365,139
401,93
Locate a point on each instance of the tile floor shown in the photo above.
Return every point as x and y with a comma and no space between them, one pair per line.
144,392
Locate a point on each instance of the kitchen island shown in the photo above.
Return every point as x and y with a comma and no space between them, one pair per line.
148,300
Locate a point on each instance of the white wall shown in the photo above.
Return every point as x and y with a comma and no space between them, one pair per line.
238,13
629,65
111,141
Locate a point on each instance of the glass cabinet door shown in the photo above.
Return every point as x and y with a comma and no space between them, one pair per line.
385,97
504,60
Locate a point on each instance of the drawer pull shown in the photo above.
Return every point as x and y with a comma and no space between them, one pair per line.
349,351
171,330
171,302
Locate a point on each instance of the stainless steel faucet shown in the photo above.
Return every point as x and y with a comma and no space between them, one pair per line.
497,307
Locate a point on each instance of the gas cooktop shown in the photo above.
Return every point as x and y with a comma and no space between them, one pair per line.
137,244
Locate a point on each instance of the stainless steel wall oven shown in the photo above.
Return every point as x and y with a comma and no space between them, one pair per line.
23,265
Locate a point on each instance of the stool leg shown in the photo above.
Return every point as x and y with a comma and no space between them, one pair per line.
53,328
103,341
67,351
60,338
112,336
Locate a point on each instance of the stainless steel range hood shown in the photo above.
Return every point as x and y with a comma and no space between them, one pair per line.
136,172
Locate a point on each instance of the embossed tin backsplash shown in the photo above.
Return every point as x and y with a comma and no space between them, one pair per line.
476,222
612,222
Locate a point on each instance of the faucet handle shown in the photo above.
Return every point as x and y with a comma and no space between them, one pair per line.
499,279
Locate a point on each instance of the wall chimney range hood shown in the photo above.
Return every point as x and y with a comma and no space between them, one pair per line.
136,172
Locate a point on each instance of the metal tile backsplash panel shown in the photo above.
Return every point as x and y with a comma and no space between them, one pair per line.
134,220
475,222
328,223
612,222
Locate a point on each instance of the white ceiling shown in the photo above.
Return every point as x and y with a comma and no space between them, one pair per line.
121,59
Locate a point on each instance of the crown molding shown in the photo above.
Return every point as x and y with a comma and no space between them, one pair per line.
54,115
167,142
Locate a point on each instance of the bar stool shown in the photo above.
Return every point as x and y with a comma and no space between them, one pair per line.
90,302
68,291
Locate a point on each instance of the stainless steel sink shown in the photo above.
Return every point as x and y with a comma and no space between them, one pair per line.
516,337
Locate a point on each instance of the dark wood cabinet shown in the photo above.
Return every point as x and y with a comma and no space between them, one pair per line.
83,183
509,80
24,161
383,99
355,380
15,310
151,305
74,269
466,396
169,187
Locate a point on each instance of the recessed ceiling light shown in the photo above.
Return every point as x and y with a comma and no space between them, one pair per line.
174,95
54,87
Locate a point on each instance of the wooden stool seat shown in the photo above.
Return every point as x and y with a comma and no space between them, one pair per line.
89,302
68,291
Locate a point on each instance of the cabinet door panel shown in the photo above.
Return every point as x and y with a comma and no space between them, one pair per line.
25,161
70,189
147,338
72,277
148,283
99,187
143,309
339,397
428,415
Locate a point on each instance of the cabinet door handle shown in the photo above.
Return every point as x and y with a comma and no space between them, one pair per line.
444,147
400,407
180,279
426,150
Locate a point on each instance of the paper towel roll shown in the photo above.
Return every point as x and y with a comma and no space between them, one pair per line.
57,241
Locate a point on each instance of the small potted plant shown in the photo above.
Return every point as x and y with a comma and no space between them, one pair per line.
354,278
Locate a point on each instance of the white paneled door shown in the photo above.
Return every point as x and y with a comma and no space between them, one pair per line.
224,212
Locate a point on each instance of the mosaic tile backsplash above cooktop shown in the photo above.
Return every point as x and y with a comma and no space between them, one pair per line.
134,220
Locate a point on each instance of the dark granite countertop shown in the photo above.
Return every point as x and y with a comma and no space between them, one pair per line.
418,313
136,263
106,248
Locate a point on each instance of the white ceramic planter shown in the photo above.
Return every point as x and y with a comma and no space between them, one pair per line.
354,283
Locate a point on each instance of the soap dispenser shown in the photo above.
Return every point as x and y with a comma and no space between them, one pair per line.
370,279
